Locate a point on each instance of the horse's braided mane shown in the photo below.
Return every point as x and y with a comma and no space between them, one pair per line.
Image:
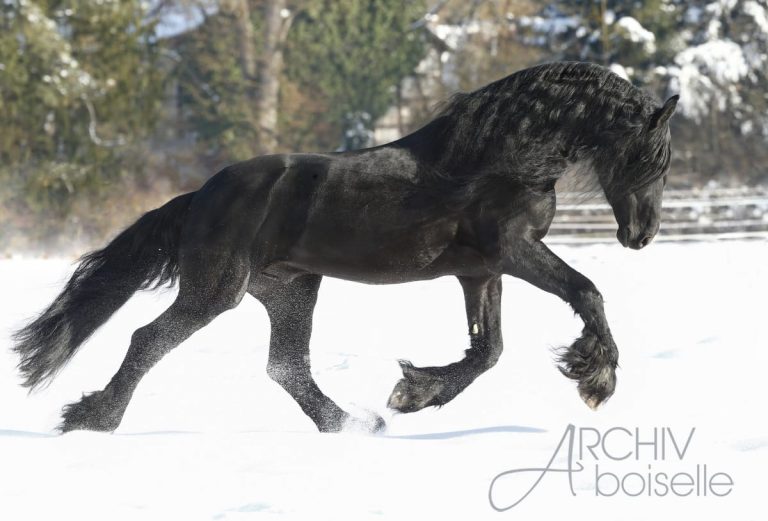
570,105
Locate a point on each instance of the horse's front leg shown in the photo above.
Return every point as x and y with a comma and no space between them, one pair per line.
429,386
592,359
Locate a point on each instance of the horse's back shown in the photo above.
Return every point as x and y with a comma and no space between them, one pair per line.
282,196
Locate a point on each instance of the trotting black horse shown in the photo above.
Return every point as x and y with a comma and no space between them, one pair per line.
471,194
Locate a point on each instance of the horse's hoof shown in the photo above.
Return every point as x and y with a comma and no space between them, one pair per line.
374,423
418,389
333,420
591,401
371,424
596,388
89,414
592,364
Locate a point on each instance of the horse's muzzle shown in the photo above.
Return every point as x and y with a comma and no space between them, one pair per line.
638,242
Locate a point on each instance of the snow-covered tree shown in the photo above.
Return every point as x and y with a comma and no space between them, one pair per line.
723,64
720,70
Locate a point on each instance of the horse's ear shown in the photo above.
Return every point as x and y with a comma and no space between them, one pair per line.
662,115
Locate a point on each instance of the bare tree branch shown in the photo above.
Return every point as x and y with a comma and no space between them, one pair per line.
93,130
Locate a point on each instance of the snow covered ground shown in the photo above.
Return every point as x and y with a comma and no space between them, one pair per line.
209,436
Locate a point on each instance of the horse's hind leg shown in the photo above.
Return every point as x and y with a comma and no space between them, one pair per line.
290,305
427,386
203,294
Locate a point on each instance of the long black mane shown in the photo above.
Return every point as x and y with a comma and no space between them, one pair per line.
526,127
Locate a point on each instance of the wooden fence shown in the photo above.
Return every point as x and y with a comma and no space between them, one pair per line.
703,214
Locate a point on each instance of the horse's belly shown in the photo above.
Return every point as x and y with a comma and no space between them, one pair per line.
383,257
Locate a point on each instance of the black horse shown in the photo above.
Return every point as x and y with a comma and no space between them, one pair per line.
471,194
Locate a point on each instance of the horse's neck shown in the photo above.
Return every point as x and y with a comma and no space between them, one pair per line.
439,148
579,182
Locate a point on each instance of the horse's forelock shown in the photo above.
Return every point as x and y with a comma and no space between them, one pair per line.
645,159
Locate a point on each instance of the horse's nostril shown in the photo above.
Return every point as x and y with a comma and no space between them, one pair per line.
645,241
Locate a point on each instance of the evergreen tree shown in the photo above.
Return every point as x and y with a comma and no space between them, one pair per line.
355,52
79,86
217,96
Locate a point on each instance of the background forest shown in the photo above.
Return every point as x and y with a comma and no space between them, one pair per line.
109,107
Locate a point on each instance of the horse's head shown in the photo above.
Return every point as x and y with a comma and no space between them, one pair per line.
635,187
638,215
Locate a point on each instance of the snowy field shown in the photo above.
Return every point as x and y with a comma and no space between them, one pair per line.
208,436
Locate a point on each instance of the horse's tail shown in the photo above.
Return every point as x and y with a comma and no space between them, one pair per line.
144,255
